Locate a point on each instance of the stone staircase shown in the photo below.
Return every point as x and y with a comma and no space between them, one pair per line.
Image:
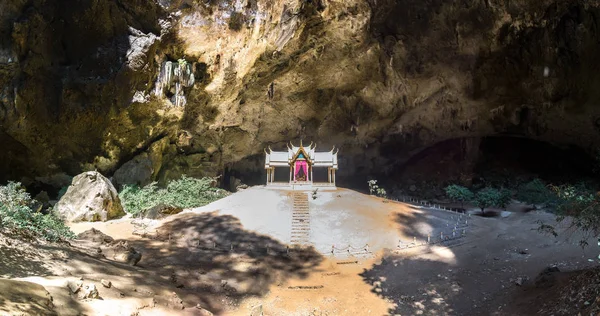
300,219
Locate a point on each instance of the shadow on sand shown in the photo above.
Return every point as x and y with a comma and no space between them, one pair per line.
212,258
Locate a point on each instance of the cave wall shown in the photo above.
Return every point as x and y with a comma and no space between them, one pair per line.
382,80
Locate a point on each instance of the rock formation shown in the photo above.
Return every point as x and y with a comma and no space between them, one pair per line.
203,86
91,197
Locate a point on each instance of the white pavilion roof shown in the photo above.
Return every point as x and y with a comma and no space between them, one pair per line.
285,158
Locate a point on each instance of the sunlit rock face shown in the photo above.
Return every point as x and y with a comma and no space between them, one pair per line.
204,86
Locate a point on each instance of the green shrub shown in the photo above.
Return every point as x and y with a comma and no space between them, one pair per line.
535,192
504,198
16,215
487,197
185,193
459,193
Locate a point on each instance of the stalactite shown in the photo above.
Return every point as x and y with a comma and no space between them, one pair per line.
178,75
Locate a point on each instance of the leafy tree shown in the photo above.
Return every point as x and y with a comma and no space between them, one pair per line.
459,193
535,192
487,197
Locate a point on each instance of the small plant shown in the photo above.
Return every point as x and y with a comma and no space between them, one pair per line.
314,193
459,193
16,215
381,193
487,197
374,189
372,186
185,192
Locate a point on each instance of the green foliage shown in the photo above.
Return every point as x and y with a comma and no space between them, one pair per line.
459,193
16,215
487,197
535,192
185,193
581,205
372,186
505,197
374,189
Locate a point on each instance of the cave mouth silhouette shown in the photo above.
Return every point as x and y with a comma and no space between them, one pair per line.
499,160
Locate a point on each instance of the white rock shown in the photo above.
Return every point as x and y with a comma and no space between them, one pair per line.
90,197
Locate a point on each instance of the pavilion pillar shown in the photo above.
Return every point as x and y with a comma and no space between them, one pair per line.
333,176
273,175
267,176
290,174
328,175
311,173
294,175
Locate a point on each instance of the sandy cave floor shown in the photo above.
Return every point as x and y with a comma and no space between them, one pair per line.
473,275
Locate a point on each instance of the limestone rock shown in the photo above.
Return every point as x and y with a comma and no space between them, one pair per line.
74,285
90,197
95,236
140,46
88,291
136,171
124,253
161,211
391,76
202,311
520,280
173,301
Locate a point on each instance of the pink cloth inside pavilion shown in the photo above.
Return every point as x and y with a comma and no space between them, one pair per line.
301,164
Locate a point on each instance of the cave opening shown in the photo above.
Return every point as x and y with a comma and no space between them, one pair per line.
499,161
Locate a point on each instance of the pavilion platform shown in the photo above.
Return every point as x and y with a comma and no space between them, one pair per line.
301,186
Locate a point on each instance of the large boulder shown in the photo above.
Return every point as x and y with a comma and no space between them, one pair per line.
137,171
90,197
